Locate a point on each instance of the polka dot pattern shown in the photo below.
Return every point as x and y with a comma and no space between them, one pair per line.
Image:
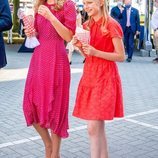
46,95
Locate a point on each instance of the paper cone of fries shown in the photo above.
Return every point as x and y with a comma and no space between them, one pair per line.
83,35
28,20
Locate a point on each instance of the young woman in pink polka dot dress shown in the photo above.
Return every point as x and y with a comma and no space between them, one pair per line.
46,94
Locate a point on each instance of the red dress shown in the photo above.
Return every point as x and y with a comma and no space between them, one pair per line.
99,95
46,96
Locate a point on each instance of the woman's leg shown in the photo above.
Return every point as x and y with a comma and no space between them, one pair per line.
43,132
97,139
104,147
56,141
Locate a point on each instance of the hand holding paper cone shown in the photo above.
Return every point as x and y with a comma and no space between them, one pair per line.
31,40
83,35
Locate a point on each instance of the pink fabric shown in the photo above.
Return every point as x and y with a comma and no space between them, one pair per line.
46,94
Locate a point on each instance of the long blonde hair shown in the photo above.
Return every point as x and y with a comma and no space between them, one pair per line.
58,4
104,10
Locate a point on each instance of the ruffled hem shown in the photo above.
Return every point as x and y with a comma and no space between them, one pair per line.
101,102
30,120
32,116
85,117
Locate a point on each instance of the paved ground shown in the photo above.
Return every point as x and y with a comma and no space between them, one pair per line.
134,136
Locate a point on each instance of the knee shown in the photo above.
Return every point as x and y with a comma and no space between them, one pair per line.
93,130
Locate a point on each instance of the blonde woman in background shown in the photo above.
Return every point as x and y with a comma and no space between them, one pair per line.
70,46
46,96
78,18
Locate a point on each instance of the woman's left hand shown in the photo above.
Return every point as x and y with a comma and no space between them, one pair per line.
44,11
88,49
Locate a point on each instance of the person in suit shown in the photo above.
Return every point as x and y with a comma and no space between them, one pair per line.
130,23
5,24
116,12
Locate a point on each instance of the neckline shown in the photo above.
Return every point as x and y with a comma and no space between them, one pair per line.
50,4
98,21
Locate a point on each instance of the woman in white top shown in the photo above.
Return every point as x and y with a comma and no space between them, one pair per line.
70,46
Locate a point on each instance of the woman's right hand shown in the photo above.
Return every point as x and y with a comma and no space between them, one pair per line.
76,42
29,32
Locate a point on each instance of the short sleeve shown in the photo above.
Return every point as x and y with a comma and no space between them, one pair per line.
115,29
70,15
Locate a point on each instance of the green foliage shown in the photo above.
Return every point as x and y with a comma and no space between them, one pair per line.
15,17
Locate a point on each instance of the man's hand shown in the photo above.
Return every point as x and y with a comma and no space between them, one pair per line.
137,32
121,8
156,33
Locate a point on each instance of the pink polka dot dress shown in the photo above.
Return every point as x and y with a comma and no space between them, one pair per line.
46,95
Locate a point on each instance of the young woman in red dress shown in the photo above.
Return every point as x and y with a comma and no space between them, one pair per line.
46,97
99,95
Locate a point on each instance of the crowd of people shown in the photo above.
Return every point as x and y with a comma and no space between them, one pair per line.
129,19
99,95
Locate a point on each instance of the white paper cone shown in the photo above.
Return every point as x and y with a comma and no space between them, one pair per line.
31,42
83,35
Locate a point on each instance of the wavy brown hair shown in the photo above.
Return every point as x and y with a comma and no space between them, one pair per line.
58,4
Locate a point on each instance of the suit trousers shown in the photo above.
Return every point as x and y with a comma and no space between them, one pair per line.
129,41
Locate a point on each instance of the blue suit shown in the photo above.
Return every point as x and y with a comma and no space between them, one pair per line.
116,14
5,24
130,31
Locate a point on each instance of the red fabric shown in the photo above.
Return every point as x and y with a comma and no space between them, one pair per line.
46,96
99,95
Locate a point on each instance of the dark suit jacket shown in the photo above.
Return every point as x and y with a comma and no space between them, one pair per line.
134,20
116,14
5,24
